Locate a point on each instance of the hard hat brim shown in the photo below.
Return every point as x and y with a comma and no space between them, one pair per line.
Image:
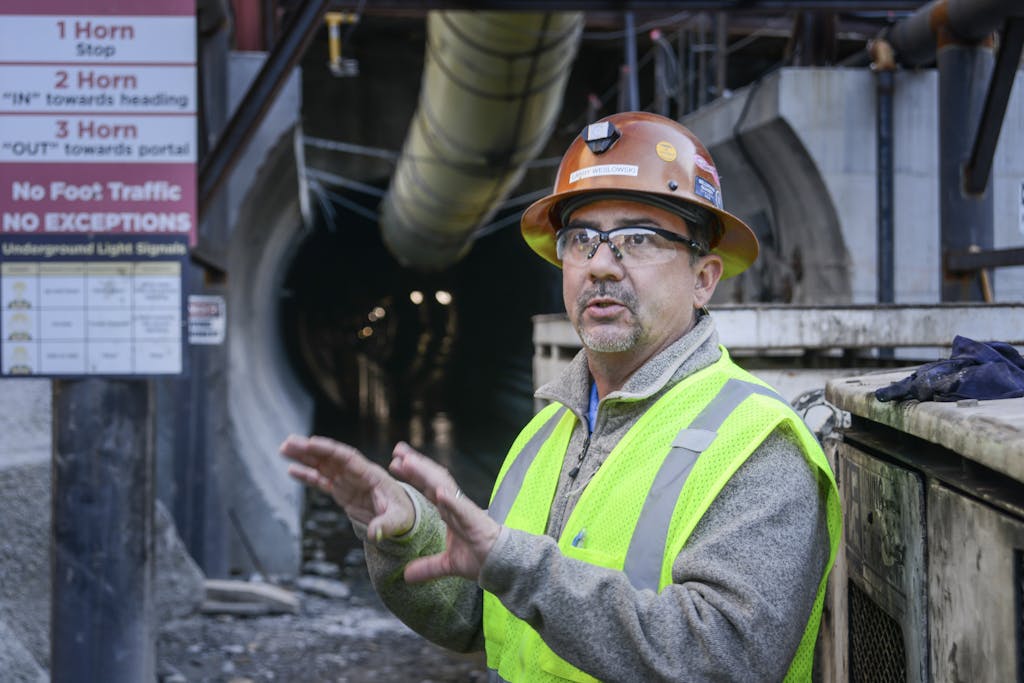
737,247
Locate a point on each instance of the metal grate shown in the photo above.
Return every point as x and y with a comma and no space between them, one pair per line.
877,654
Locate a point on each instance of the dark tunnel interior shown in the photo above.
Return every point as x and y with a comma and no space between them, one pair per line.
441,360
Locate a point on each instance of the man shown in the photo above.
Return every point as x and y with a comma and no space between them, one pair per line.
667,517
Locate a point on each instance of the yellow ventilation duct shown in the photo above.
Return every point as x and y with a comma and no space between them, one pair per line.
491,93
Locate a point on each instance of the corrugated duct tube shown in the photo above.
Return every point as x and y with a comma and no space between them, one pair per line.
491,92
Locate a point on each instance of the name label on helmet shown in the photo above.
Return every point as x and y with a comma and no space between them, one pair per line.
603,169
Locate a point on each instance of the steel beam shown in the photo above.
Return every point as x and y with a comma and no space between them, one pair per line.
970,261
979,166
385,6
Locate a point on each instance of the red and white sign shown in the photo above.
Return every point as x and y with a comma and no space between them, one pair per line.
97,166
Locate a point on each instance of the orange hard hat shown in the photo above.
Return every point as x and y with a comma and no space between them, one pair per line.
652,157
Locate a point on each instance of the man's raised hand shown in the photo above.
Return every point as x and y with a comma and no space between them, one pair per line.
367,493
471,533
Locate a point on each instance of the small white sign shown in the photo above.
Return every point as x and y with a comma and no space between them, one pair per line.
207,319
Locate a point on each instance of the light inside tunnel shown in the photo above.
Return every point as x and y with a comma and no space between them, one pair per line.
444,298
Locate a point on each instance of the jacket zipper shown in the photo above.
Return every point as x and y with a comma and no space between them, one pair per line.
573,473
579,461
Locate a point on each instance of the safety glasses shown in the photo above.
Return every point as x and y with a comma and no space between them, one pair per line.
638,245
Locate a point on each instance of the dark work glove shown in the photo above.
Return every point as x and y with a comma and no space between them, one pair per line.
974,370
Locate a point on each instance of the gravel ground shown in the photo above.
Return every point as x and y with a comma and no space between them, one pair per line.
329,641
346,639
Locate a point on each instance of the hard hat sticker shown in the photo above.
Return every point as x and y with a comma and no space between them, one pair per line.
703,188
603,169
706,166
665,150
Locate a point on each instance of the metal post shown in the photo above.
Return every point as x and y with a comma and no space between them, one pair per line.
721,52
102,624
966,219
683,75
702,61
633,99
691,72
661,95
884,66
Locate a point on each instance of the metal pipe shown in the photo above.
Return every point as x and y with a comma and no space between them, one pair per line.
702,61
957,35
721,52
966,220
492,89
683,74
661,94
884,66
633,92
916,37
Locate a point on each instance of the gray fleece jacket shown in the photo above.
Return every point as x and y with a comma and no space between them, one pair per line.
743,586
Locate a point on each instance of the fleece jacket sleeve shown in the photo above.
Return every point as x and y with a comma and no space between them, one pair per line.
446,611
743,587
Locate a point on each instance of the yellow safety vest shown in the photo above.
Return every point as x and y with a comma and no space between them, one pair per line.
639,510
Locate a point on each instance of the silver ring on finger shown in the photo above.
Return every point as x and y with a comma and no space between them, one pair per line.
458,493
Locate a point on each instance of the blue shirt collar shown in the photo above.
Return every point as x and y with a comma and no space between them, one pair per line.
592,409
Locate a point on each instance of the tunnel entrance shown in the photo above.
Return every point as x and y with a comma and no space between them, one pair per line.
440,360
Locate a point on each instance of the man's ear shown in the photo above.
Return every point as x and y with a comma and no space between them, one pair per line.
708,271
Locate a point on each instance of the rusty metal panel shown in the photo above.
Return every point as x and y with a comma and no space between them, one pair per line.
974,591
884,535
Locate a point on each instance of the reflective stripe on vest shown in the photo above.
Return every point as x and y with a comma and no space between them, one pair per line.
647,546
512,482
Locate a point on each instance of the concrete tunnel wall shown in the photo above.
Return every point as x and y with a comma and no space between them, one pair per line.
266,402
810,136
259,399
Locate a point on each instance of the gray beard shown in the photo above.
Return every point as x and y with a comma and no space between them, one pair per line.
611,343
608,341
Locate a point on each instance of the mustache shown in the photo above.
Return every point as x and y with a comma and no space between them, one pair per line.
607,290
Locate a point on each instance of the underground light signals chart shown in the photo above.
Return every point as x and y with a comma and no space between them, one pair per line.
120,317
97,185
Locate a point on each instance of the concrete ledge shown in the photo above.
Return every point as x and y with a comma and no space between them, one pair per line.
990,433
786,326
